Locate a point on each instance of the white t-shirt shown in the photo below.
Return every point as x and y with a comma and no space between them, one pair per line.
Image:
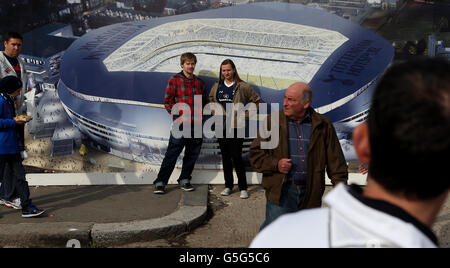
350,220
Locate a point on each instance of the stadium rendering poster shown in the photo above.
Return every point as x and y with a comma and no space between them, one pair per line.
113,79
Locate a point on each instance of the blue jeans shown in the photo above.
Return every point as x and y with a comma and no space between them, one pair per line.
291,196
192,151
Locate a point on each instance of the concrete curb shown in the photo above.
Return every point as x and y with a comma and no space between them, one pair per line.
190,214
116,234
44,235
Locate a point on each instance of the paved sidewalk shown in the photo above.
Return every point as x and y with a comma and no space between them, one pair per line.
103,216
132,216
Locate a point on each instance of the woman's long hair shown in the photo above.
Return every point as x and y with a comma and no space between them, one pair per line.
236,77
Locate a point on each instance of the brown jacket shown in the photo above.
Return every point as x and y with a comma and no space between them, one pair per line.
324,151
243,93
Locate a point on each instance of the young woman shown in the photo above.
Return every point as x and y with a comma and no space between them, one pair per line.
231,90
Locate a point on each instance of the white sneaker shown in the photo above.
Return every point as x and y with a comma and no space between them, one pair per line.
15,204
226,192
244,194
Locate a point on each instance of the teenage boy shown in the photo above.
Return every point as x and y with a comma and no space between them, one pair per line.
182,88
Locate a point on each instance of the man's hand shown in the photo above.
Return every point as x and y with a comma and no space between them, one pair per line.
284,165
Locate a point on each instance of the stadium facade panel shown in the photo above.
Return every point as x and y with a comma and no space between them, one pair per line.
113,79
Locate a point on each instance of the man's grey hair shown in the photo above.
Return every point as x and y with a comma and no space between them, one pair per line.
307,96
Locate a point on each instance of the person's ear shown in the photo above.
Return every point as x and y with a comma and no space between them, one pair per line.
361,143
306,105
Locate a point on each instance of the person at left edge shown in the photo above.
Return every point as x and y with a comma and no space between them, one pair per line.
12,65
10,159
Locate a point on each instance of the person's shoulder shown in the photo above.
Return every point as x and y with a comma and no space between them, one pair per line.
306,228
20,60
319,117
2,58
244,85
175,76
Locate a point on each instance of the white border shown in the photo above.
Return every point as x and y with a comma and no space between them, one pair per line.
199,177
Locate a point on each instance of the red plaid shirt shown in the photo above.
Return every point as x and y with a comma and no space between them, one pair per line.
180,89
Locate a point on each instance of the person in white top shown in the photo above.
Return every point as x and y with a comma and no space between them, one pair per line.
408,127
12,65
10,62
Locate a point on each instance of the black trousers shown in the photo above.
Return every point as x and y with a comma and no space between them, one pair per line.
14,181
231,150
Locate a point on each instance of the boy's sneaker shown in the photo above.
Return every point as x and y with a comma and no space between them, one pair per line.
244,194
226,192
159,189
31,211
15,204
187,187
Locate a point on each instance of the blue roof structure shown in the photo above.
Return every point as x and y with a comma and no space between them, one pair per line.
39,43
113,79
354,64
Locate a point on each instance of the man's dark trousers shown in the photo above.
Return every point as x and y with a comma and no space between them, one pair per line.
192,151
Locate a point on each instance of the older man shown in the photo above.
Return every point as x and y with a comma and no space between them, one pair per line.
294,172
408,126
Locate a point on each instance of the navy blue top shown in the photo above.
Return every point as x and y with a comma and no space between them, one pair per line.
225,94
299,136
